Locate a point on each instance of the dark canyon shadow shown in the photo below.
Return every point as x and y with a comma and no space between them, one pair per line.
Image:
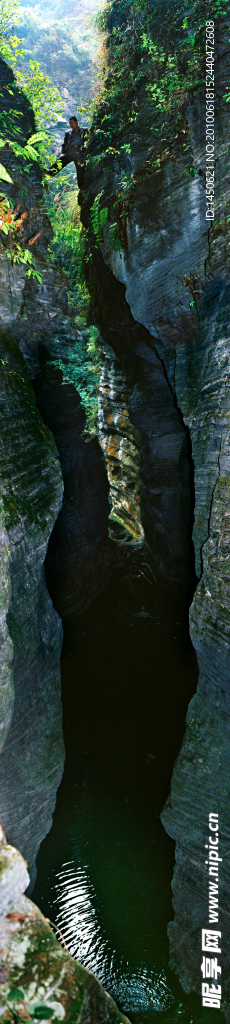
104,871
128,673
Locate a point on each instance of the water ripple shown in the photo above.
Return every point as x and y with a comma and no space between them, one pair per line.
142,990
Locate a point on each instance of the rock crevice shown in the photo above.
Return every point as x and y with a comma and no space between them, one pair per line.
172,271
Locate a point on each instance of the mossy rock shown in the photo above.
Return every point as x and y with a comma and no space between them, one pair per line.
43,976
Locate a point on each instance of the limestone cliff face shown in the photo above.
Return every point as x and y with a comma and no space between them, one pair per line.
34,331
35,334
80,559
6,651
31,487
162,465
167,290
202,769
119,443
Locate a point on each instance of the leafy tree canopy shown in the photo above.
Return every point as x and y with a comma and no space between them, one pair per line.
43,96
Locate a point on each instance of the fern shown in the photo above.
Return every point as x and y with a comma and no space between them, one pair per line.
99,216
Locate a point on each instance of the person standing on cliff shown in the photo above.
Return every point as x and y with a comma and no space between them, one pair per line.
70,151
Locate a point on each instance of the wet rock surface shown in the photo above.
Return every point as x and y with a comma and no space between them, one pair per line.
163,463
80,558
6,649
35,971
120,444
162,304
33,323
203,764
31,487
173,271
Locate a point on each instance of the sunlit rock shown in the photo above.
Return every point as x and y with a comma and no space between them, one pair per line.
119,444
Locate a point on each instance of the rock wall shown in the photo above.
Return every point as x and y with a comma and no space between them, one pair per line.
162,306
201,774
80,558
120,445
163,465
172,271
35,971
6,651
32,320
31,487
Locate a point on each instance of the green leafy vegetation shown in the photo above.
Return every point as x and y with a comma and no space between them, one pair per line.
67,247
4,176
158,46
11,223
24,1009
15,994
155,58
68,56
42,95
99,217
10,44
10,227
82,365
149,48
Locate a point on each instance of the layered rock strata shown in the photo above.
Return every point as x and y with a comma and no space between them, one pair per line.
173,272
33,314
6,648
80,558
32,759
203,764
163,468
119,443
31,485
